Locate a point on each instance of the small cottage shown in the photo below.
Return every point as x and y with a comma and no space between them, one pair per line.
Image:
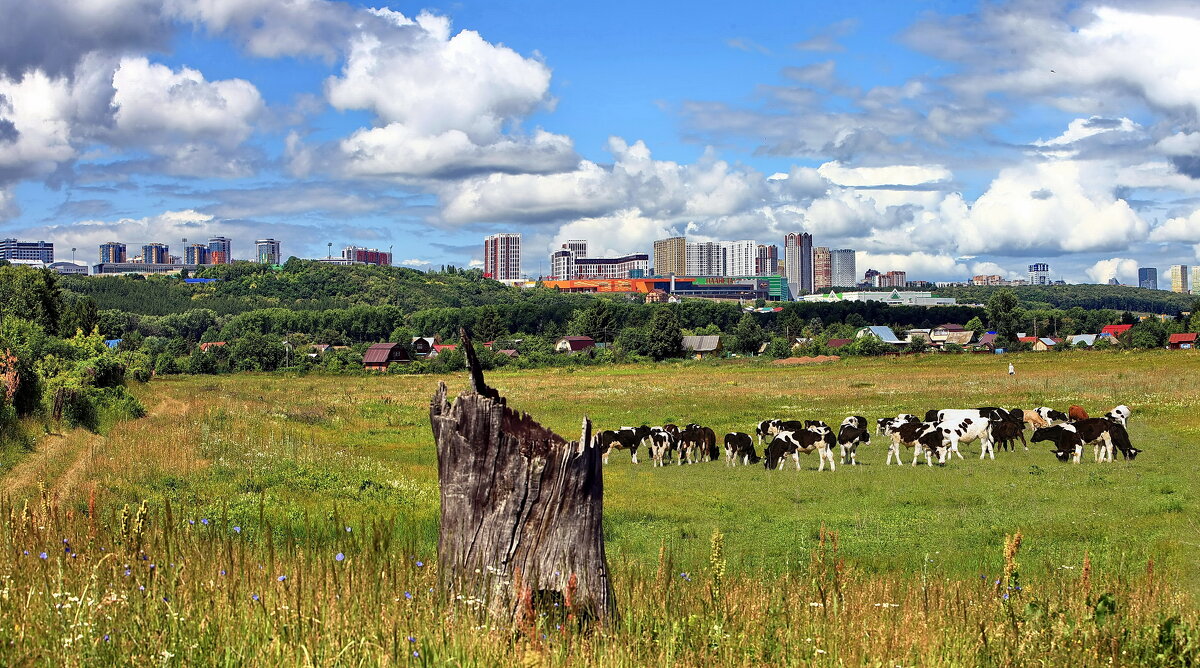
1182,341
382,355
574,344
701,347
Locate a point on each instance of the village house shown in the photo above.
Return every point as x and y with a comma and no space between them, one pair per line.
382,355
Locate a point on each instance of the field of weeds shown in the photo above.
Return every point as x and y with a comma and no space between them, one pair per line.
285,520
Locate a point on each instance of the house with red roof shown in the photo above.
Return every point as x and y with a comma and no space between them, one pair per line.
1115,330
1183,341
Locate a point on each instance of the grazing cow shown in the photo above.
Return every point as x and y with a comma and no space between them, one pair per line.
852,433
965,425
739,446
1007,426
1099,432
922,437
697,443
1068,446
1051,416
662,442
796,442
882,424
1076,413
1120,438
625,438
1120,415
672,429
1034,420
764,429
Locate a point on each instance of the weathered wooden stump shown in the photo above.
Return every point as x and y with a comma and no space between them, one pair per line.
521,509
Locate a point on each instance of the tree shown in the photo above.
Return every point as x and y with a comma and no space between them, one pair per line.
257,352
489,326
974,324
748,335
664,334
1002,313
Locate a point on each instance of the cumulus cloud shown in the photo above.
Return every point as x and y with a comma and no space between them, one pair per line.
52,36
274,28
398,151
900,175
1124,270
1181,228
918,265
625,231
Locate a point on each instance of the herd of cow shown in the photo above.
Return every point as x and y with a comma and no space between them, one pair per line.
937,436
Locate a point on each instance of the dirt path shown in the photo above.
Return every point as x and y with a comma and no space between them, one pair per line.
61,460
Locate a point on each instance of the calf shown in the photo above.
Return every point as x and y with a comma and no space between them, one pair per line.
1120,415
965,425
1006,432
1034,420
697,443
852,433
739,446
796,442
1120,438
1076,413
922,437
1051,416
625,438
1068,446
882,424
1098,432
662,442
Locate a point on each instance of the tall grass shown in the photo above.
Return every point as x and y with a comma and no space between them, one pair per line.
148,584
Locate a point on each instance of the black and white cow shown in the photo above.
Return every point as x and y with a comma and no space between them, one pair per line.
1007,426
1103,434
851,434
765,429
625,438
799,442
922,437
739,446
882,424
662,443
1120,415
1068,446
1051,416
965,425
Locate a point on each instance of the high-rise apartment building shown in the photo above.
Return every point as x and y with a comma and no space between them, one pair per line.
740,257
822,270
891,279
367,256
705,258
670,256
220,250
502,256
562,264
1195,286
156,253
1148,278
634,265
267,251
841,266
577,246
195,254
11,249
113,251
797,260
1179,278
1039,273
766,262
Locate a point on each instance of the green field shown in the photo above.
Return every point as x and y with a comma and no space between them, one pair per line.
290,452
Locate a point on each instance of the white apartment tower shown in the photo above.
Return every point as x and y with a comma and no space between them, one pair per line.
502,256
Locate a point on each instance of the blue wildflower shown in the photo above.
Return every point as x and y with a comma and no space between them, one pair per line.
44,555
237,529
26,552
416,653
204,521
254,596
347,529
412,639
105,637
339,556
141,587
1006,596
151,566
408,595
126,572
420,564
281,578
222,571
191,521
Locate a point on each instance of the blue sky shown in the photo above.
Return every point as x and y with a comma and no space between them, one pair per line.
941,138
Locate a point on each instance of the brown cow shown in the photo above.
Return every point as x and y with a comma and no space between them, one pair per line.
1076,413
1034,420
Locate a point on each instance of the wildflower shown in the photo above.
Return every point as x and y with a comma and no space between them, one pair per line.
141,587
166,599
204,521
1006,596
254,596
281,578
237,529
416,653
44,555
412,639
222,571
347,529
420,564
126,572
408,595
67,549
26,552
339,556
105,637
151,566
191,521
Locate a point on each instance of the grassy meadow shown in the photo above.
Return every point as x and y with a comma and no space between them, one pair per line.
247,478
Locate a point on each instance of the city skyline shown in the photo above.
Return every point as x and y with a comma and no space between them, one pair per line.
945,140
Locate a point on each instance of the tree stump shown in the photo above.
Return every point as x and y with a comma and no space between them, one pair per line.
521,509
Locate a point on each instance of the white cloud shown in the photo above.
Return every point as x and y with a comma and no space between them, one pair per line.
274,28
421,76
918,265
1122,269
894,175
39,109
396,150
1182,228
1082,128
195,124
625,231
52,36
414,262
8,205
